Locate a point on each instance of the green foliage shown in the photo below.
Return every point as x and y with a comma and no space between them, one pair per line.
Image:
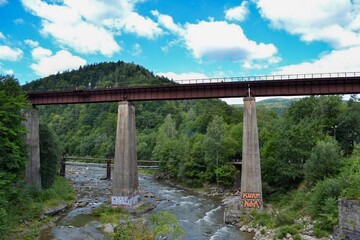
225,174
50,155
19,203
284,230
166,224
263,218
350,174
324,161
13,155
329,188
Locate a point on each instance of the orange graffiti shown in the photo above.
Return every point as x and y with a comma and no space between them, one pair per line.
251,200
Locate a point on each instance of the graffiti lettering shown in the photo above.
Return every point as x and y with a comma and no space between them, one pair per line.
124,201
251,200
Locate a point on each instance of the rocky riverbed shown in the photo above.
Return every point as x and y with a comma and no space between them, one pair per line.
200,216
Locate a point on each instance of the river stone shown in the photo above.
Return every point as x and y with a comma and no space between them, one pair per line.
108,228
58,209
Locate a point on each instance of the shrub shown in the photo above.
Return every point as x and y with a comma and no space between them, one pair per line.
50,154
284,230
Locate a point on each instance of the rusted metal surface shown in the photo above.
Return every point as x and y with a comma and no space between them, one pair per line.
258,88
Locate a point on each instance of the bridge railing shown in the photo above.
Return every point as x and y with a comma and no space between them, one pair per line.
149,164
269,77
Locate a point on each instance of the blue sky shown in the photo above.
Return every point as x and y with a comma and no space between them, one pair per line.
181,39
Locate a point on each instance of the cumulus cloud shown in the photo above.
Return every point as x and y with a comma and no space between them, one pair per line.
224,41
182,76
342,60
10,54
218,40
51,64
31,43
91,29
238,13
6,71
335,22
39,53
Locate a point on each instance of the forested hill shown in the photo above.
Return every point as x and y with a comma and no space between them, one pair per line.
101,75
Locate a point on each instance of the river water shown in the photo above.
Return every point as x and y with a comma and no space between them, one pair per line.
200,216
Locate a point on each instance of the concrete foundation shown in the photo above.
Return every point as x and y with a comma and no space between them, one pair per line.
251,186
125,177
31,123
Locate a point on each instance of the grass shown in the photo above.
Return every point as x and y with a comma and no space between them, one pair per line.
24,220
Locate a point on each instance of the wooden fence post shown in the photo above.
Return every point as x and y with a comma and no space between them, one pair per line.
108,169
63,166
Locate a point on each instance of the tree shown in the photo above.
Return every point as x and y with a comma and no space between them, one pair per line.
213,144
324,161
50,155
13,155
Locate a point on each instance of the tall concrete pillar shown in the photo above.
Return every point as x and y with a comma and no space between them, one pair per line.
31,123
251,187
125,177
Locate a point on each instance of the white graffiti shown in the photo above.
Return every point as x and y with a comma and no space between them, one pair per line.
124,201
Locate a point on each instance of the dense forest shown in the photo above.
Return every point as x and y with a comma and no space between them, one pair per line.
306,145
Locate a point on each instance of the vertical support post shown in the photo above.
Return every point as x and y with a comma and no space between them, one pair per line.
31,123
251,186
125,177
63,167
108,169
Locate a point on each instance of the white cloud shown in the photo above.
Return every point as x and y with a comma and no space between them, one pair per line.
19,21
224,41
61,61
38,53
335,22
90,26
218,40
83,37
2,36
182,76
343,60
136,50
3,2
6,71
142,26
168,22
10,54
31,43
238,13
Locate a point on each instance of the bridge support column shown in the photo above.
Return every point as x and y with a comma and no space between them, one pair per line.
251,186
31,123
125,177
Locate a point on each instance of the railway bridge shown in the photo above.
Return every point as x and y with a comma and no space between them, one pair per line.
125,178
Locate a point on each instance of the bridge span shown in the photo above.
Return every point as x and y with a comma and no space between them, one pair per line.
256,86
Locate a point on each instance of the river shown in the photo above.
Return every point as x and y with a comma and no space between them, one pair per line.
200,216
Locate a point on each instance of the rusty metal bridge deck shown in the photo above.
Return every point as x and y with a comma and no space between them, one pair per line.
257,86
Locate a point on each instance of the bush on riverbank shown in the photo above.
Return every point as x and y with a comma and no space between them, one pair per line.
125,227
21,215
290,212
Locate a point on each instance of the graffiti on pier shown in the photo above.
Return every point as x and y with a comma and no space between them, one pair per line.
251,200
124,201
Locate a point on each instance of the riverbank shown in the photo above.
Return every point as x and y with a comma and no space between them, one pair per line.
41,209
270,224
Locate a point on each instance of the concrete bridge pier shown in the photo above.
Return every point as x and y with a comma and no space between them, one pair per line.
251,186
125,177
32,172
